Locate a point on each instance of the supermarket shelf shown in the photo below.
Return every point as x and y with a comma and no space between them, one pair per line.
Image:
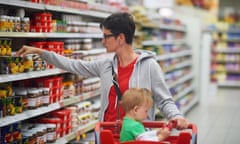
233,31
81,130
156,17
185,109
226,61
228,71
229,84
101,7
233,39
174,55
22,34
181,80
77,11
163,42
37,6
28,75
23,4
73,35
173,27
183,93
178,66
188,107
36,112
227,50
28,114
92,51
79,98
50,35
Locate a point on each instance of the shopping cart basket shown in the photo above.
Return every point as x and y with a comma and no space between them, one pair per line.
108,133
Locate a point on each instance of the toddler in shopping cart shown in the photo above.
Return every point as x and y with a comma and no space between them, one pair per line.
136,102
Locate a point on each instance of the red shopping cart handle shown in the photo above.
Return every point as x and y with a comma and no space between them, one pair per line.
171,124
105,136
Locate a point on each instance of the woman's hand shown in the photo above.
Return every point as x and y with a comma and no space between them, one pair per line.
181,123
28,50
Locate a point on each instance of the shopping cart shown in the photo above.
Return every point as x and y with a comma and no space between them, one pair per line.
108,133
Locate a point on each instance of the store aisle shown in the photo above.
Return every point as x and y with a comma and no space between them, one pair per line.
218,117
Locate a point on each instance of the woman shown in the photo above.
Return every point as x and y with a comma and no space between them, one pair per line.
132,68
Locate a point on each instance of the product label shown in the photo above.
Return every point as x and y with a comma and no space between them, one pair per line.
51,136
45,99
32,102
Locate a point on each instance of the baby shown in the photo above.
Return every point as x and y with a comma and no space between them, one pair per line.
136,102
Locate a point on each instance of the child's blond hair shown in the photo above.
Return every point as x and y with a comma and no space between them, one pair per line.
136,97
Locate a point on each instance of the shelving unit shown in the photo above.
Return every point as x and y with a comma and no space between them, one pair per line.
37,6
186,79
225,53
43,110
29,75
49,35
78,132
96,15
174,61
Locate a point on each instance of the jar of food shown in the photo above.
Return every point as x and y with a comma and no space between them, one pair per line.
40,97
18,104
25,24
87,44
45,96
33,98
33,137
3,93
3,23
44,130
40,135
21,92
51,133
77,44
10,26
28,63
17,24
68,89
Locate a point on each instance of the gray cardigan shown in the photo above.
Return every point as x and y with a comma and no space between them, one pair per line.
146,74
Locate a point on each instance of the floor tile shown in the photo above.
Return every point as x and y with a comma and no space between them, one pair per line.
217,117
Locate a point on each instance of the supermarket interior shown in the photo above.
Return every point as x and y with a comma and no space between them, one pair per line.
195,42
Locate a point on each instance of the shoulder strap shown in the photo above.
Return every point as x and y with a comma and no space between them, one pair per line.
117,89
116,86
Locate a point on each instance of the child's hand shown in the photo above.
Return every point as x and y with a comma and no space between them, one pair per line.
163,133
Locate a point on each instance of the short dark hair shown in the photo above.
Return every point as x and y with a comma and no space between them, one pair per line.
121,22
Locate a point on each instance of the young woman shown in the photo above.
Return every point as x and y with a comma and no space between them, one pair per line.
132,69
